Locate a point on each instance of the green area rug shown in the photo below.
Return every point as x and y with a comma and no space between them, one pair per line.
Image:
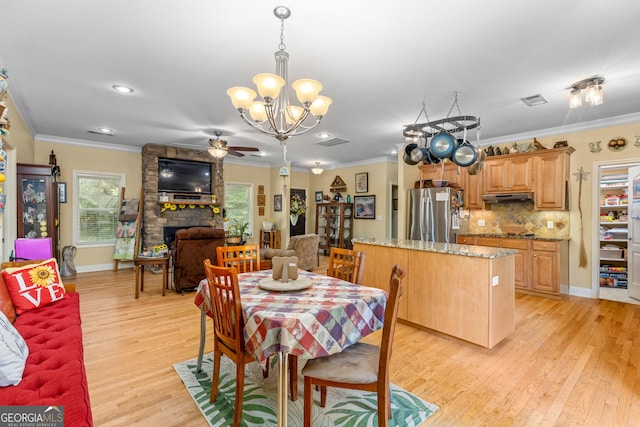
344,407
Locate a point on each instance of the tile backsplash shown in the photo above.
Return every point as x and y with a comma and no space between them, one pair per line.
503,216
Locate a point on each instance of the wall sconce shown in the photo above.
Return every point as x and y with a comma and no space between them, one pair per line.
593,93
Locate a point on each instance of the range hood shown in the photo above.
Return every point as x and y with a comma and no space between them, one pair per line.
507,197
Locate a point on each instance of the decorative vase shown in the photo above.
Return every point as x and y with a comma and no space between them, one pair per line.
294,219
267,225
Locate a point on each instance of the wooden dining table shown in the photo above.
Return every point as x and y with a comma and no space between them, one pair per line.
323,319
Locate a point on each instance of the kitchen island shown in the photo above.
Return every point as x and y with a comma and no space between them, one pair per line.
463,291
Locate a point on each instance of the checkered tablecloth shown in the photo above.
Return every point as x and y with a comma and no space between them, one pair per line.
324,319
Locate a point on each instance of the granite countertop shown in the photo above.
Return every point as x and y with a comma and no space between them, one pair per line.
443,248
516,236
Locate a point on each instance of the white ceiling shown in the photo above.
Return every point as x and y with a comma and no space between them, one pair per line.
378,61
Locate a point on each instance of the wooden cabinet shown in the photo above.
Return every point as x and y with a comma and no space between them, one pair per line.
552,179
443,170
512,175
334,225
548,257
37,203
472,186
270,239
538,263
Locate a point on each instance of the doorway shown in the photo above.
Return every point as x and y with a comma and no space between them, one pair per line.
300,226
613,231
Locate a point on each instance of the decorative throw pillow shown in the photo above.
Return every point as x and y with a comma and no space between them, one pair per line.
34,285
13,353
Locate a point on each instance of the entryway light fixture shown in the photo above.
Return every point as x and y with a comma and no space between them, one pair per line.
317,170
593,93
275,115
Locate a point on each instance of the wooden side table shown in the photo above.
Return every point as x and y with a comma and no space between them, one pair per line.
140,263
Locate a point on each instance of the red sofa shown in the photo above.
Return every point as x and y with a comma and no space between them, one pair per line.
54,374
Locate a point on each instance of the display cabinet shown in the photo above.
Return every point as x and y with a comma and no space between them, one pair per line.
37,203
270,239
613,230
334,225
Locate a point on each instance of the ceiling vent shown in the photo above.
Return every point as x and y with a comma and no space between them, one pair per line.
534,100
333,141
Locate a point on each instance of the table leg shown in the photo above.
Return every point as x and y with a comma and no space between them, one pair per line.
164,277
283,370
141,267
137,273
203,332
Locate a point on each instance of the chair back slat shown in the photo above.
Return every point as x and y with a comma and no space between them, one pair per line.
346,264
224,290
243,258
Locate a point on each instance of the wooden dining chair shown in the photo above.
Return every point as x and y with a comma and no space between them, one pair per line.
243,258
346,264
228,329
361,366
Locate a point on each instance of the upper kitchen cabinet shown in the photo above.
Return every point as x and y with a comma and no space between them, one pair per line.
472,185
552,179
508,175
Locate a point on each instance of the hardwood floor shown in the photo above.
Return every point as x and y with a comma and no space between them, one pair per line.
570,362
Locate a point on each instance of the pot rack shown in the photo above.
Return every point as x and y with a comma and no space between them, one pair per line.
449,124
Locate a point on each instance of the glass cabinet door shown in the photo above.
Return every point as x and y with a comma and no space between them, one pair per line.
35,208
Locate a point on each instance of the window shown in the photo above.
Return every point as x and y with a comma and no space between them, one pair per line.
237,204
95,207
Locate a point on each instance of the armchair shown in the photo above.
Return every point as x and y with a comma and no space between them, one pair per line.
305,247
190,248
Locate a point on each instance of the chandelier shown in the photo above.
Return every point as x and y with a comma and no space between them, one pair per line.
317,170
275,115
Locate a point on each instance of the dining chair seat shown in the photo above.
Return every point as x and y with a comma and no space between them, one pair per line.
357,364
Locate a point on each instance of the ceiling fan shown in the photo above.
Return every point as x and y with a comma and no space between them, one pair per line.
219,148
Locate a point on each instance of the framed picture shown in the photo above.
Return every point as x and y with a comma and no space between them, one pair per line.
261,210
262,199
362,182
260,189
365,207
277,202
319,196
62,192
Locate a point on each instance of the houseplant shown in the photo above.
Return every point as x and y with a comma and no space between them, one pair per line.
237,232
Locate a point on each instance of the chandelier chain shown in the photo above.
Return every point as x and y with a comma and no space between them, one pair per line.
282,46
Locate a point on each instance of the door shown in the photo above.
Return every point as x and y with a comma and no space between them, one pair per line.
421,215
633,257
441,213
300,225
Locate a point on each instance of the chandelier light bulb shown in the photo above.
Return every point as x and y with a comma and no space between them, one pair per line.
317,170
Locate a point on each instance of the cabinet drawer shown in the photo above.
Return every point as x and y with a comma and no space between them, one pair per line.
539,245
515,243
466,240
494,242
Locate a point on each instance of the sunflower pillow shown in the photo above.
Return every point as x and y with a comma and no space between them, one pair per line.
34,285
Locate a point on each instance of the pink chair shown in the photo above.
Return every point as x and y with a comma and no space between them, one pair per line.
31,249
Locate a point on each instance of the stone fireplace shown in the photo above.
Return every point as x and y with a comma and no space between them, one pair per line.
153,219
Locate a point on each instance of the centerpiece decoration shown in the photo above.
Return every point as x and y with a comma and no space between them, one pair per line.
298,208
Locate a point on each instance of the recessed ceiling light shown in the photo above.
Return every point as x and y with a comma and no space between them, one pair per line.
122,89
324,135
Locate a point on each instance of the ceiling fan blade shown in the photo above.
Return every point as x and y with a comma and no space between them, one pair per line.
244,148
235,153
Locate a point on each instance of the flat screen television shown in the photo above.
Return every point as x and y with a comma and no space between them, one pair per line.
184,176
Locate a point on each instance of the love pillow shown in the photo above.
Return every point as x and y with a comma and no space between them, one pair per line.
34,285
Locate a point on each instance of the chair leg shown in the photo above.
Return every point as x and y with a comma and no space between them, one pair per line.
293,377
237,407
215,377
323,396
308,401
203,333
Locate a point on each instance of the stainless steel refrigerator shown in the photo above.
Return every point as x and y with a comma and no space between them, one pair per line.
433,214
